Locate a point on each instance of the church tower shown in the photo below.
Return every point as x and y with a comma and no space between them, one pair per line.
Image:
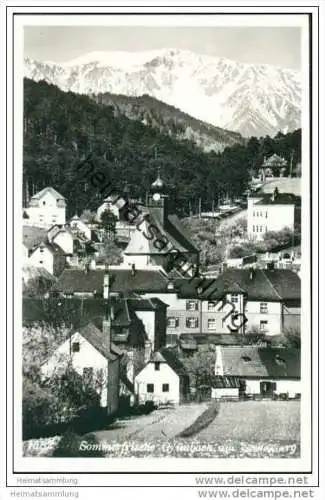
158,199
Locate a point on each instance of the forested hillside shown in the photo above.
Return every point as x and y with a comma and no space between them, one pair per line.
170,120
61,130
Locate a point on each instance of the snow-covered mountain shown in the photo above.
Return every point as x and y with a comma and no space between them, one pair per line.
252,99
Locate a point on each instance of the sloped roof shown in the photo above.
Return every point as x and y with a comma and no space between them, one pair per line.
96,338
45,191
256,362
280,199
284,184
169,356
52,247
32,236
257,284
79,312
121,280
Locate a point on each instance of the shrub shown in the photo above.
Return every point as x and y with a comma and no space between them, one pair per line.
72,445
68,446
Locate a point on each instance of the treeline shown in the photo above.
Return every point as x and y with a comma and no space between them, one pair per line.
62,130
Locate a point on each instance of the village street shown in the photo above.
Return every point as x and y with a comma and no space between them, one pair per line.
160,423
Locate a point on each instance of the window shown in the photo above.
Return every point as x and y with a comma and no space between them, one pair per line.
253,229
172,322
191,305
266,215
150,387
254,213
157,366
261,229
165,387
263,308
44,202
256,229
192,322
234,298
75,347
263,325
41,262
212,324
41,249
211,306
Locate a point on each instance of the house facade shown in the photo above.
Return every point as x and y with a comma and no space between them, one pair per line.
91,354
162,380
238,301
48,256
254,371
46,208
79,227
271,212
62,237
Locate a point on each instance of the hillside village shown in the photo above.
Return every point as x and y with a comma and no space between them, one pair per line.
156,328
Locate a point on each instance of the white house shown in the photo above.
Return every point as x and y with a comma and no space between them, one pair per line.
91,354
162,380
267,372
108,205
61,237
78,226
45,208
49,256
270,212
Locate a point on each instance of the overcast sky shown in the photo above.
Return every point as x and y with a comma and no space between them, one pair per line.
268,45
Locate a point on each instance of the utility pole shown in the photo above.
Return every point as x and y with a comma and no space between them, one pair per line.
200,204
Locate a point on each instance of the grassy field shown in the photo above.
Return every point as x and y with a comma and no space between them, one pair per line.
248,429
256,421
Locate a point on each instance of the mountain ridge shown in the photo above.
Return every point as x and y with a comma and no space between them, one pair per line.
246,98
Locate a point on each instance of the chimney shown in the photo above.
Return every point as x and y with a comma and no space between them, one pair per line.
106,285
147,351
133,269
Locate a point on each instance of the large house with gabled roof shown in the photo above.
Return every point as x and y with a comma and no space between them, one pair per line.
45,208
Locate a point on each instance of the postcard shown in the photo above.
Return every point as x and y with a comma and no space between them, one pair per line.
163,280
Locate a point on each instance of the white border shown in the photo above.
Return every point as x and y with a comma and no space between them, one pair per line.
35,464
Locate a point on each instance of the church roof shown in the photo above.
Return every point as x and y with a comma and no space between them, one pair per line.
145,240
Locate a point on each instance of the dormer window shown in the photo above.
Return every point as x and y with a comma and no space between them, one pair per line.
44,202
246,359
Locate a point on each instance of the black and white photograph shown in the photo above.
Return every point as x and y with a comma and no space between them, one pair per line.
163,198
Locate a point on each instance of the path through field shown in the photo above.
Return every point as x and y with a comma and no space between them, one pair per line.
165,423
